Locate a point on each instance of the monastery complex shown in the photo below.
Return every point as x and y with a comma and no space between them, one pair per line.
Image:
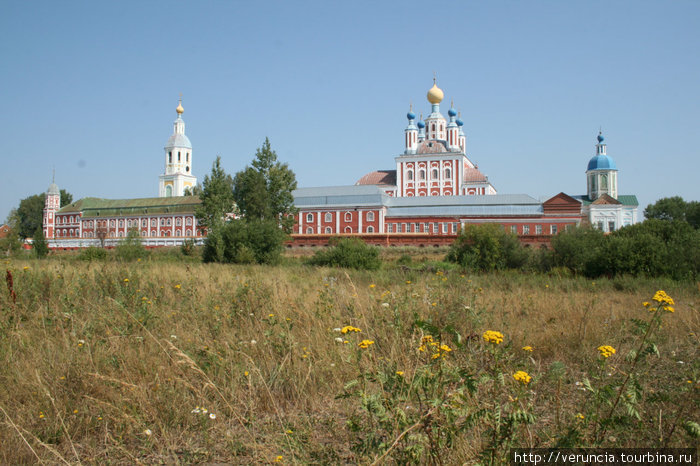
433,189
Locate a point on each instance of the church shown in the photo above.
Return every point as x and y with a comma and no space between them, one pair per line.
434,189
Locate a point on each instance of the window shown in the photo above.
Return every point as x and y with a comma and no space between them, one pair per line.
454,228
153,222
370,216
121,234
434,173
611,226
390,228
538,229
514,229
179,157
168,222
348,230
370,229
170,157
348,216
309,231
436,228
309,217
178,233
552,229
121,223
448,173
187,157
417,228
568,227
599,225
604,182
329,230
112,223
178,222
421,175
71,219
398,228
526,229
328,217
188,221
426,228
409,175
444,228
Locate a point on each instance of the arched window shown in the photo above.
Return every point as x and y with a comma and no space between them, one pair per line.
328,217
153,222
121,234
434,173
348,216
153,233
309,217
187,157
329,230
348,230
189,221
121,223
603,182
370,229
421,175
309,231
178,233
179,157
448,173
178,222
409,175
433,127
168,222
370,216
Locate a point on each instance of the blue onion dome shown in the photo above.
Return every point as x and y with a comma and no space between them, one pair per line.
452,112
421,124
600,137
602,162
411,116
460,122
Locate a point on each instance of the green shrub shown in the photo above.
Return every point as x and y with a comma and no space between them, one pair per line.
245,242
130,248
92,253
188,248
487,247
41,247
350,253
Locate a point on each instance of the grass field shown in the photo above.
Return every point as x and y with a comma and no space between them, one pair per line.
164,361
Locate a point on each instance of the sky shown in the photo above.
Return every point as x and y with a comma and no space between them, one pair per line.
90,89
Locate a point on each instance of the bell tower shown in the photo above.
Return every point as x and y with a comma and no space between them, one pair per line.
178,161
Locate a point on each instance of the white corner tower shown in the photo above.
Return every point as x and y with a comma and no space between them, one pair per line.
52,204
178,161
601,173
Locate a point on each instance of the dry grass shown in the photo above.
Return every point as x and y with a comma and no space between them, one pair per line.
105,362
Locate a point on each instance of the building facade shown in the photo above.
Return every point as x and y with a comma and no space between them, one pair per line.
434,190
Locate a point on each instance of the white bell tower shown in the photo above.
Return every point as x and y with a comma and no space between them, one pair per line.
178,161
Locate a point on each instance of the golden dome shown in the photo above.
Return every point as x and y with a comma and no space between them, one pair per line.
179,108
435,94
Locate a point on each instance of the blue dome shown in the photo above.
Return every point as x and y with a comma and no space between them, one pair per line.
602,162
421,124
452,112
460,122
600,138
411,116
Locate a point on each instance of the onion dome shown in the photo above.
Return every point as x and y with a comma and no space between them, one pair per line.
179,108
411,116
420,124
460,122
602,162
600,137
452,112
435,94
53,189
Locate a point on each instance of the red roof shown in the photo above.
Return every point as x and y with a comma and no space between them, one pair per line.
472,175
431,147
379,177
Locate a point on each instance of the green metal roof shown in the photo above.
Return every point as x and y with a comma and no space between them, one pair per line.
95,207
625,199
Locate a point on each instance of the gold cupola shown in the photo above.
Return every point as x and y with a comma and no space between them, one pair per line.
435,94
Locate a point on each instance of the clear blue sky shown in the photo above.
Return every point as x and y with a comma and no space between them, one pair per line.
91,88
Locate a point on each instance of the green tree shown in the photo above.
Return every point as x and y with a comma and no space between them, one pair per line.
11,244
30,212
675,208
40,246
348,252
263,191
578,249
245,241
216,196
487,247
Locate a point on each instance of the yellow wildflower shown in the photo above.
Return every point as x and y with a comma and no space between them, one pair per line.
278,459
606,351
349,328
408,282
522,377
580,416
492,336
646,304
126,280
178,286
400,373
41,415
661,297
372,285
527,348
365,344
246,373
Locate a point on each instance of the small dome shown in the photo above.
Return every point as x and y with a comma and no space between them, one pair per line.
460,122
53,189
600,138
420,124
179,108
411,116
178,140
435,94
602,162
452,112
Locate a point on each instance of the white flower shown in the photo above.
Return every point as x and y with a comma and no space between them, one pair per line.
332,364
385,304
204,411
338,329
338,340
212,416
173,337
252,342
147,432
196,410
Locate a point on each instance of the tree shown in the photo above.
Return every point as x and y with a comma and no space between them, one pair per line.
194,190
263,191
30,212
216,196
40,246
487,247
675,208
